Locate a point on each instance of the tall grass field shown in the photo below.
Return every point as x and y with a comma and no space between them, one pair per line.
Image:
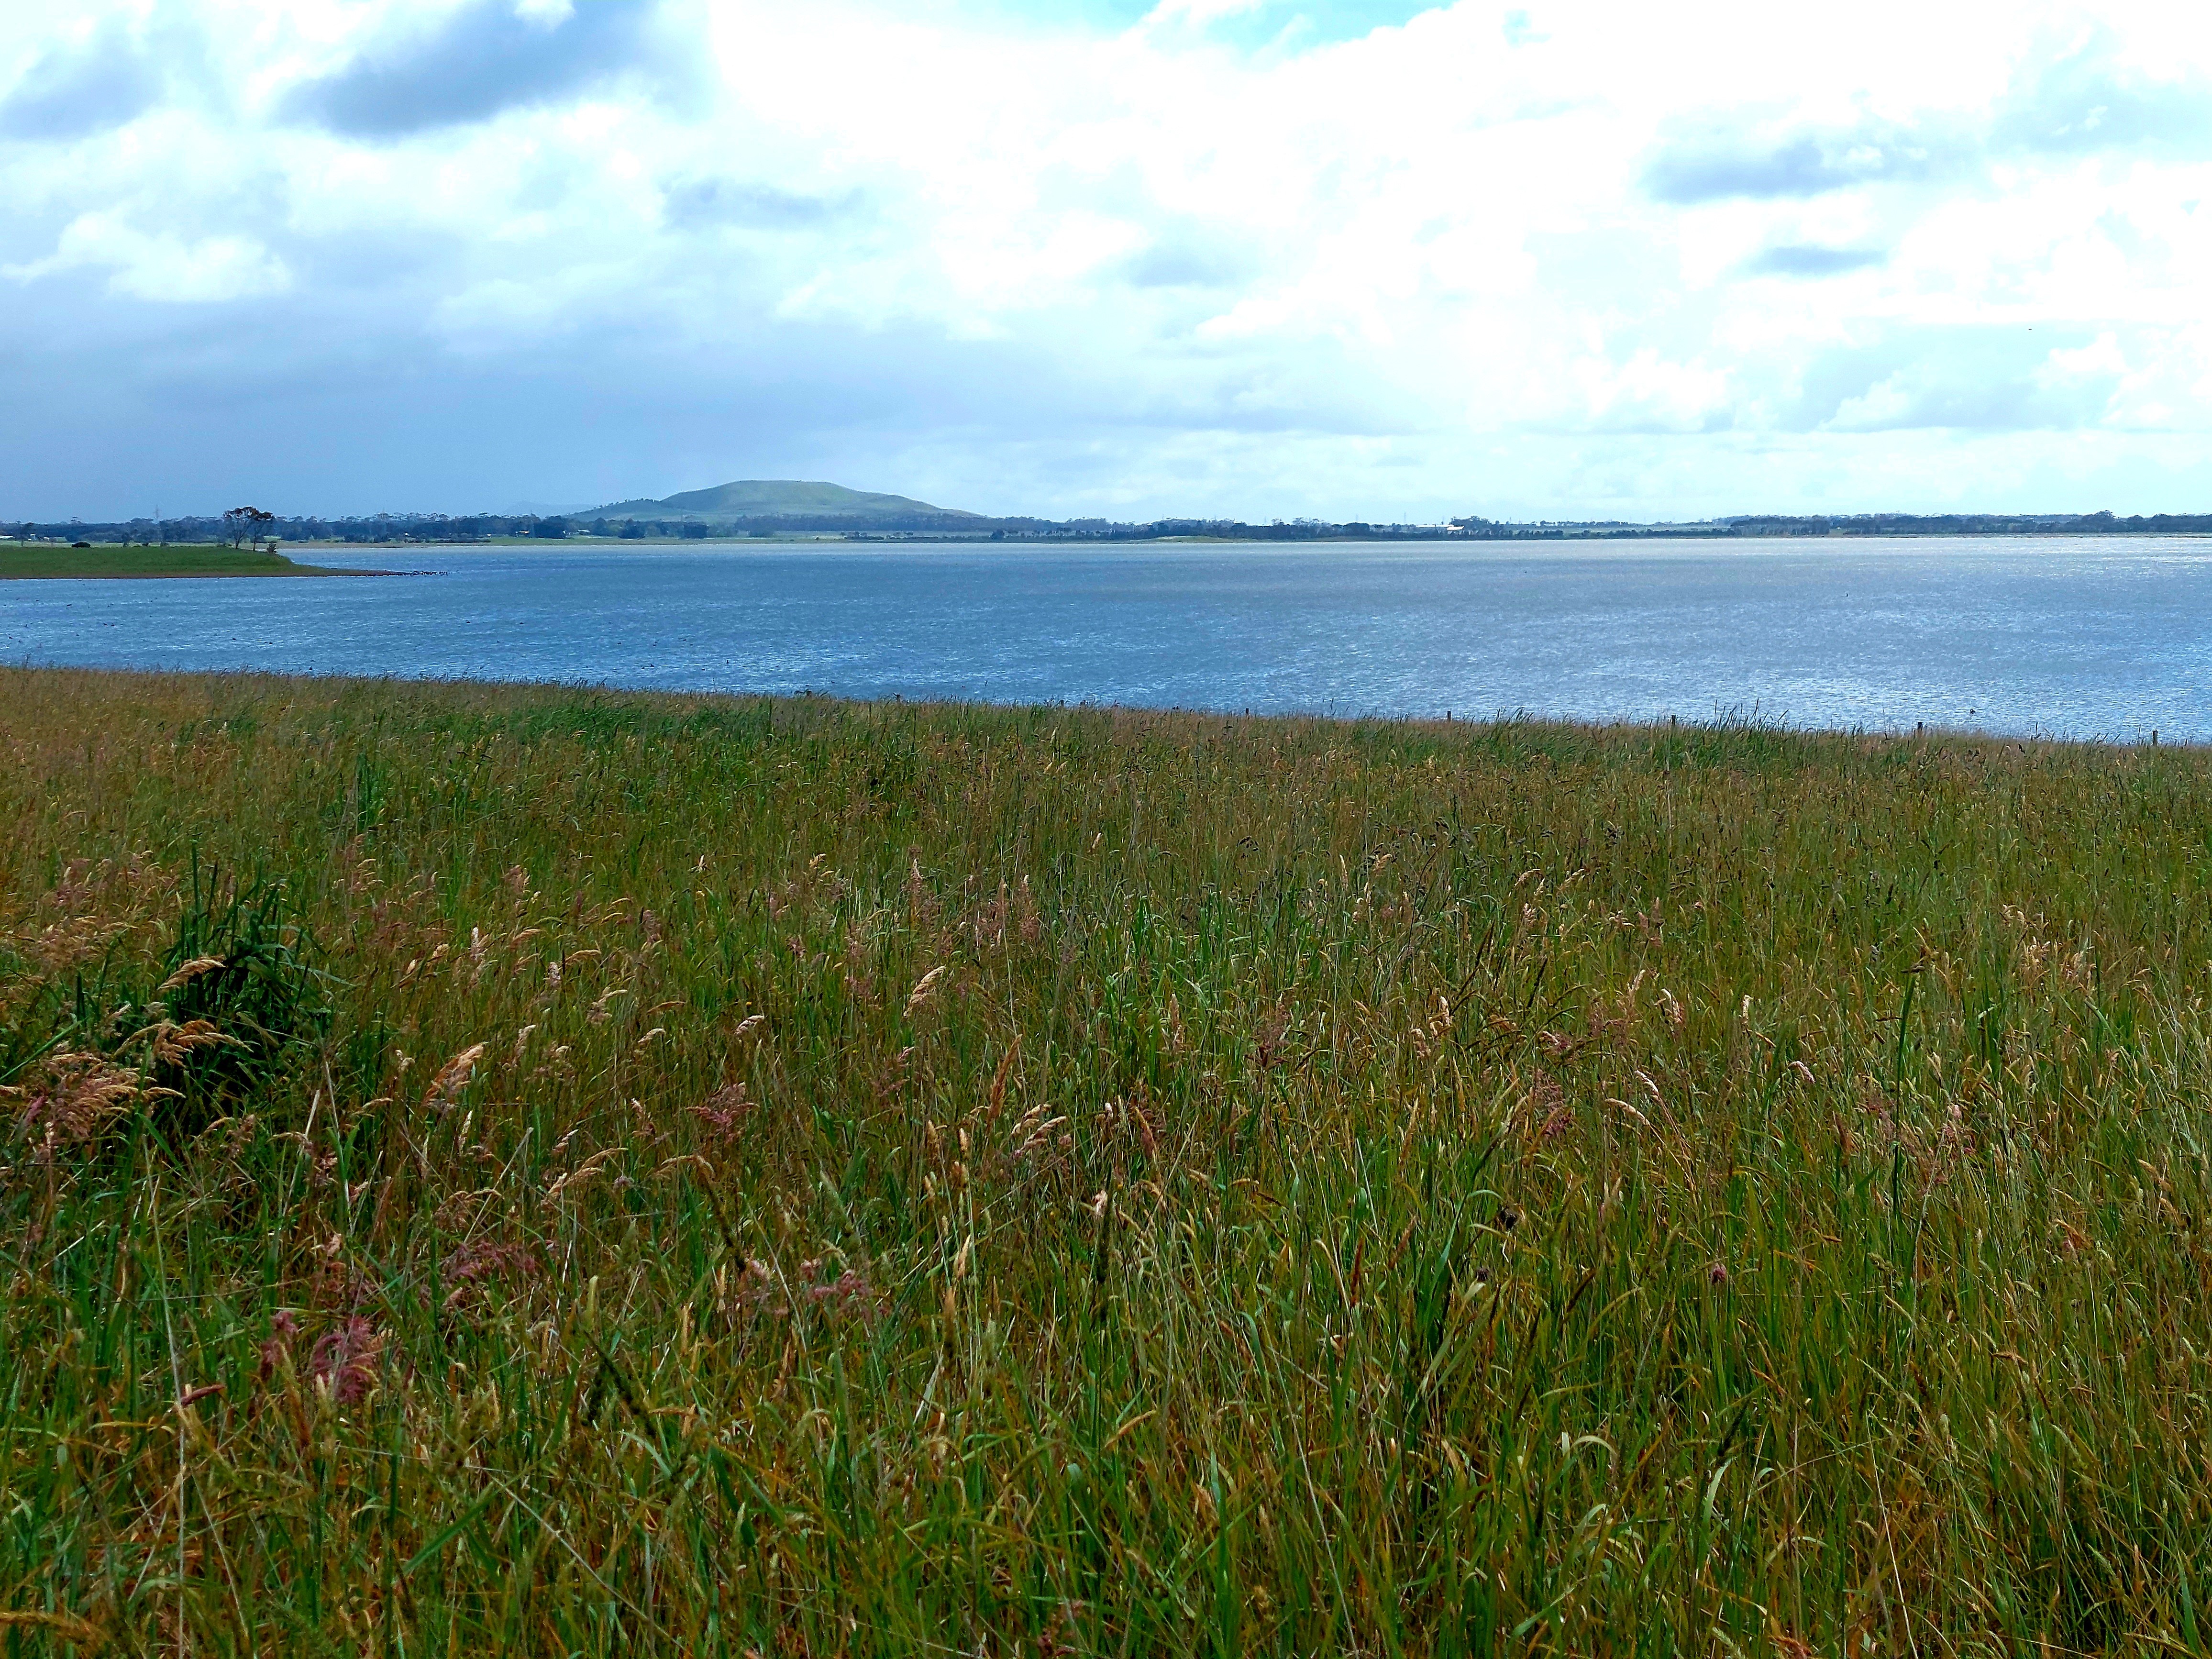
538,1171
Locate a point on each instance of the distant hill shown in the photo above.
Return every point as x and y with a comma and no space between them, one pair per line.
776,498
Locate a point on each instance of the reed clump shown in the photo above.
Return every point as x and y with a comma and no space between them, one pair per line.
540,1171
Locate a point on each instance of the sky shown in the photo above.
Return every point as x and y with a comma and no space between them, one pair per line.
1260,258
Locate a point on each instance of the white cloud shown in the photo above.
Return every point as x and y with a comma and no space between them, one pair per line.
167,269
1488,259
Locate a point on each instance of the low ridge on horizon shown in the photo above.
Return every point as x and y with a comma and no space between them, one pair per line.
773,498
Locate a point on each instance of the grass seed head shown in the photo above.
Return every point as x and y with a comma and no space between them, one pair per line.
344,1359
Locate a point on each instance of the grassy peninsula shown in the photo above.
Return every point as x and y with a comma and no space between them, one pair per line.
47,560
500,1170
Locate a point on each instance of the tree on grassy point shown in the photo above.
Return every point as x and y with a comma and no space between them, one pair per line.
242,525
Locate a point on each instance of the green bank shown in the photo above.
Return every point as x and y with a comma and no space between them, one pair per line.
36,560
502,1171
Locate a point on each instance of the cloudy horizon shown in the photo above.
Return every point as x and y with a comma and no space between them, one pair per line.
1246,258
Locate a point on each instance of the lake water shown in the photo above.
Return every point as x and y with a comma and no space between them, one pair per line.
2068,637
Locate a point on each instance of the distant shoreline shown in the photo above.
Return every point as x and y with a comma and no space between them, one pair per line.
788,510
830,540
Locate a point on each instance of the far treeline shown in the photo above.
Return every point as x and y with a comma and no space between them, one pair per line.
228,529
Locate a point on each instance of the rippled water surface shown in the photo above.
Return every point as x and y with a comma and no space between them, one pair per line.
2073,637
